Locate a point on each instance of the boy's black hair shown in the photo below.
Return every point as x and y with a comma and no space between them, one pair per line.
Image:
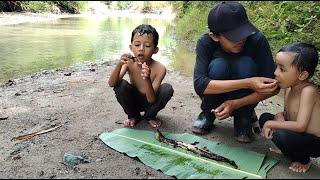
146,28
305,58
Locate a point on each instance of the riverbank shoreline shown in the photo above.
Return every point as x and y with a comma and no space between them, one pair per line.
79,98
12,18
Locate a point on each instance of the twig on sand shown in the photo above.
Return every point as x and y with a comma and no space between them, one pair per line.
195,149
29,135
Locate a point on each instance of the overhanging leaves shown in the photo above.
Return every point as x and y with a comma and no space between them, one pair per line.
184,164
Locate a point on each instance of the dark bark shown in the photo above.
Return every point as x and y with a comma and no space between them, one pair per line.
194,149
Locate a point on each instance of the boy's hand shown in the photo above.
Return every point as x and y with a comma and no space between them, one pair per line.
279,117
267,132
125,58
263,85
145,71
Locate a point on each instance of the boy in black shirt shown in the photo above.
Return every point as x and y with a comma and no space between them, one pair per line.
233,71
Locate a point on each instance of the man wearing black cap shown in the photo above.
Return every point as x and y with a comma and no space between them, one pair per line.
233,71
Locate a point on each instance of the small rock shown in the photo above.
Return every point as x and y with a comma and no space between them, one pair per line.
137,170
39,90
41,173
4,118
67,74
98,160
73,160
10,82
58,91
52,176
16,157
17,94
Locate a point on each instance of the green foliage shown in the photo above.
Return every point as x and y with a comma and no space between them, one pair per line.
38,6
9,6
282,22
107,3
121,5
70,6
139,6
43,6
287,21
193,19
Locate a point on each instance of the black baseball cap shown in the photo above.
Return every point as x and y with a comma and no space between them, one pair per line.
230,19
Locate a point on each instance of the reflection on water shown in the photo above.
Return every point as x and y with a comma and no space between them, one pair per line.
29,48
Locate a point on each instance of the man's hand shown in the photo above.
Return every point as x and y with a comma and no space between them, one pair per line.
145,71
224,110
263,85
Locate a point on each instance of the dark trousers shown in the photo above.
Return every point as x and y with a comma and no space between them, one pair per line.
223,69
294,145
133,102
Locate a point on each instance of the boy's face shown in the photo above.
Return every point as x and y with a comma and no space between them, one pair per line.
143,47
286,74
227,45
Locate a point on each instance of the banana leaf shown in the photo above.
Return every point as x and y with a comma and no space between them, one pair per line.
184,164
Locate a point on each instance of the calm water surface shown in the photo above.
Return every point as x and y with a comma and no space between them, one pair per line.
33,47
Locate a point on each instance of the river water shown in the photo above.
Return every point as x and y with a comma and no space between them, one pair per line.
32,47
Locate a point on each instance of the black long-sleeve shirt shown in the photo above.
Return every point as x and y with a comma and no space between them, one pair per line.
256,47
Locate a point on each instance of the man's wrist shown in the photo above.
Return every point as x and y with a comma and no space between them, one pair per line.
248,82
236,103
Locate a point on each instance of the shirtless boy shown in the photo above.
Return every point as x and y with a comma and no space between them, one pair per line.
296,131
145,91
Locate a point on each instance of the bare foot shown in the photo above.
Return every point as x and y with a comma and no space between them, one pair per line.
154,123
244,139
275,150
300,168
130,122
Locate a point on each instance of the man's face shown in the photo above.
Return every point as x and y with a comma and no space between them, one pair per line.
227,45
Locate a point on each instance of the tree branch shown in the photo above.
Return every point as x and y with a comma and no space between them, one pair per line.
194,149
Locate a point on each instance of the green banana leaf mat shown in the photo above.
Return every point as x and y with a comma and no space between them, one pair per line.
184,164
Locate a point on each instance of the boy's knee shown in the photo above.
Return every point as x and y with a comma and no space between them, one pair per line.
281,137
219,69
264,118
121,87
167,89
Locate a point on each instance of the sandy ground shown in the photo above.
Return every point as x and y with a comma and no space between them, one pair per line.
79,98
